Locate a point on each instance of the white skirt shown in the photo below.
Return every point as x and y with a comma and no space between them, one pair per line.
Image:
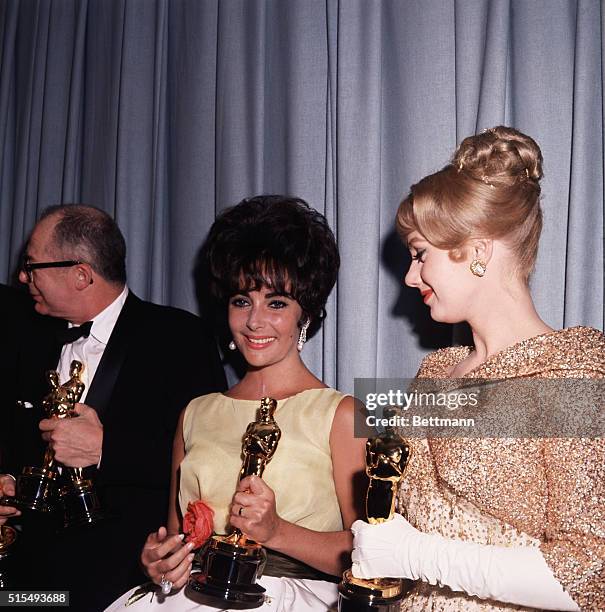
283,595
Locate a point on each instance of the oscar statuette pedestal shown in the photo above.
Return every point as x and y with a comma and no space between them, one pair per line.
7,539
231,564
386,458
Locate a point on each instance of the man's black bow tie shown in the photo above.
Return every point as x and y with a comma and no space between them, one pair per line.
71,334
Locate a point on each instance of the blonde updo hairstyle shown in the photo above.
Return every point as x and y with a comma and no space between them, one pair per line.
490,190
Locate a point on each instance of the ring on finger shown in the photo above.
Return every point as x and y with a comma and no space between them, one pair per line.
166,585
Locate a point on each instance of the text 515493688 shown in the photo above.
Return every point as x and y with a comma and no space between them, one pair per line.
24,599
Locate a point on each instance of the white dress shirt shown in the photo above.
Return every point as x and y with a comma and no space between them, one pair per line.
90,350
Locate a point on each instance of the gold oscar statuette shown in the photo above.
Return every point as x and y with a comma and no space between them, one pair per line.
387,456
231,564
38,488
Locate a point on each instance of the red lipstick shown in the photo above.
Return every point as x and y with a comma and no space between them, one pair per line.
426,295
258,343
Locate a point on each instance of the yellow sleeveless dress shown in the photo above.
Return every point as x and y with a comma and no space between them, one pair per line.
300,472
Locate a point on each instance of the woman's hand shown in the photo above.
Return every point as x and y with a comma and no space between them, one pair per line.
511,574
253,510
382,550
166,559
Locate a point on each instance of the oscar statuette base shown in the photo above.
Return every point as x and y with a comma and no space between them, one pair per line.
35,490
7,538
230,570
81,505
370,595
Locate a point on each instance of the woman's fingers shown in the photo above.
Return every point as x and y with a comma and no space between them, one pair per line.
174,568
253,484
242,499
155,538
253,509
172,544
166,556
180,574
158,544
176,559
262,502
252,492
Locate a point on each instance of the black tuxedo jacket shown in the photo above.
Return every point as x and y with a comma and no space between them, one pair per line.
157,359
19,324
16,312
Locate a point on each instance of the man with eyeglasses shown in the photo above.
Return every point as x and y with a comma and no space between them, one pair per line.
142,365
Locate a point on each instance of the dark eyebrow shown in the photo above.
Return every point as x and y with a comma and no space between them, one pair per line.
276,294
268,296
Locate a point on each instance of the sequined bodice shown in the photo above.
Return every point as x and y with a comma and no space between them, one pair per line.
515,492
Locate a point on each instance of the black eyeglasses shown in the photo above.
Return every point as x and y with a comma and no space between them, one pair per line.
28,267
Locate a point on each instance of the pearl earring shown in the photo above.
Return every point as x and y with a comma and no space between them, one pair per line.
478,267
232,346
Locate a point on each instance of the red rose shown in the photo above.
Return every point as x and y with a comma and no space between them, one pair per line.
198,523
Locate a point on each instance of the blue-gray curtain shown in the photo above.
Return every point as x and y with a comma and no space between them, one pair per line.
163,112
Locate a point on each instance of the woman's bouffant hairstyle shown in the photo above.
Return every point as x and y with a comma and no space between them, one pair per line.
273,241
490,190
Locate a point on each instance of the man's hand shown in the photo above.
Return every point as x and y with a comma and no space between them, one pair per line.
77,442
7,487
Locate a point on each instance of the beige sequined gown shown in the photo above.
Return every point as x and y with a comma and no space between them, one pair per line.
548,493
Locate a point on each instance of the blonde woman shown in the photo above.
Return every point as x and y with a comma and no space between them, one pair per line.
493,524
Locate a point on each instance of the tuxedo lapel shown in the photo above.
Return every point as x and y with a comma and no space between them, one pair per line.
107,373
39,353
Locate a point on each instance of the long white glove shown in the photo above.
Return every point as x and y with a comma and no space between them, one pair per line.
516,575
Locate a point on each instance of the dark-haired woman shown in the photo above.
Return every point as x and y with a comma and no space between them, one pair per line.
493,524
273,261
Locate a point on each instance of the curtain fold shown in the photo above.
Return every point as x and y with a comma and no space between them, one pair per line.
71,172
164,112
8,32
193,64
584,249
358,176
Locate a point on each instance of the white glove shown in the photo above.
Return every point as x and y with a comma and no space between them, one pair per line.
516,575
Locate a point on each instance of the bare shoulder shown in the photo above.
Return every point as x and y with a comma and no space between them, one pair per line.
347,409
349,413
350,419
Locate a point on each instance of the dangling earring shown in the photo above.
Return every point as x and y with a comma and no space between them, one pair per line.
478,267
232,346
302,338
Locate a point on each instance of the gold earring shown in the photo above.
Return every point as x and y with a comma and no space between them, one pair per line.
478,267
